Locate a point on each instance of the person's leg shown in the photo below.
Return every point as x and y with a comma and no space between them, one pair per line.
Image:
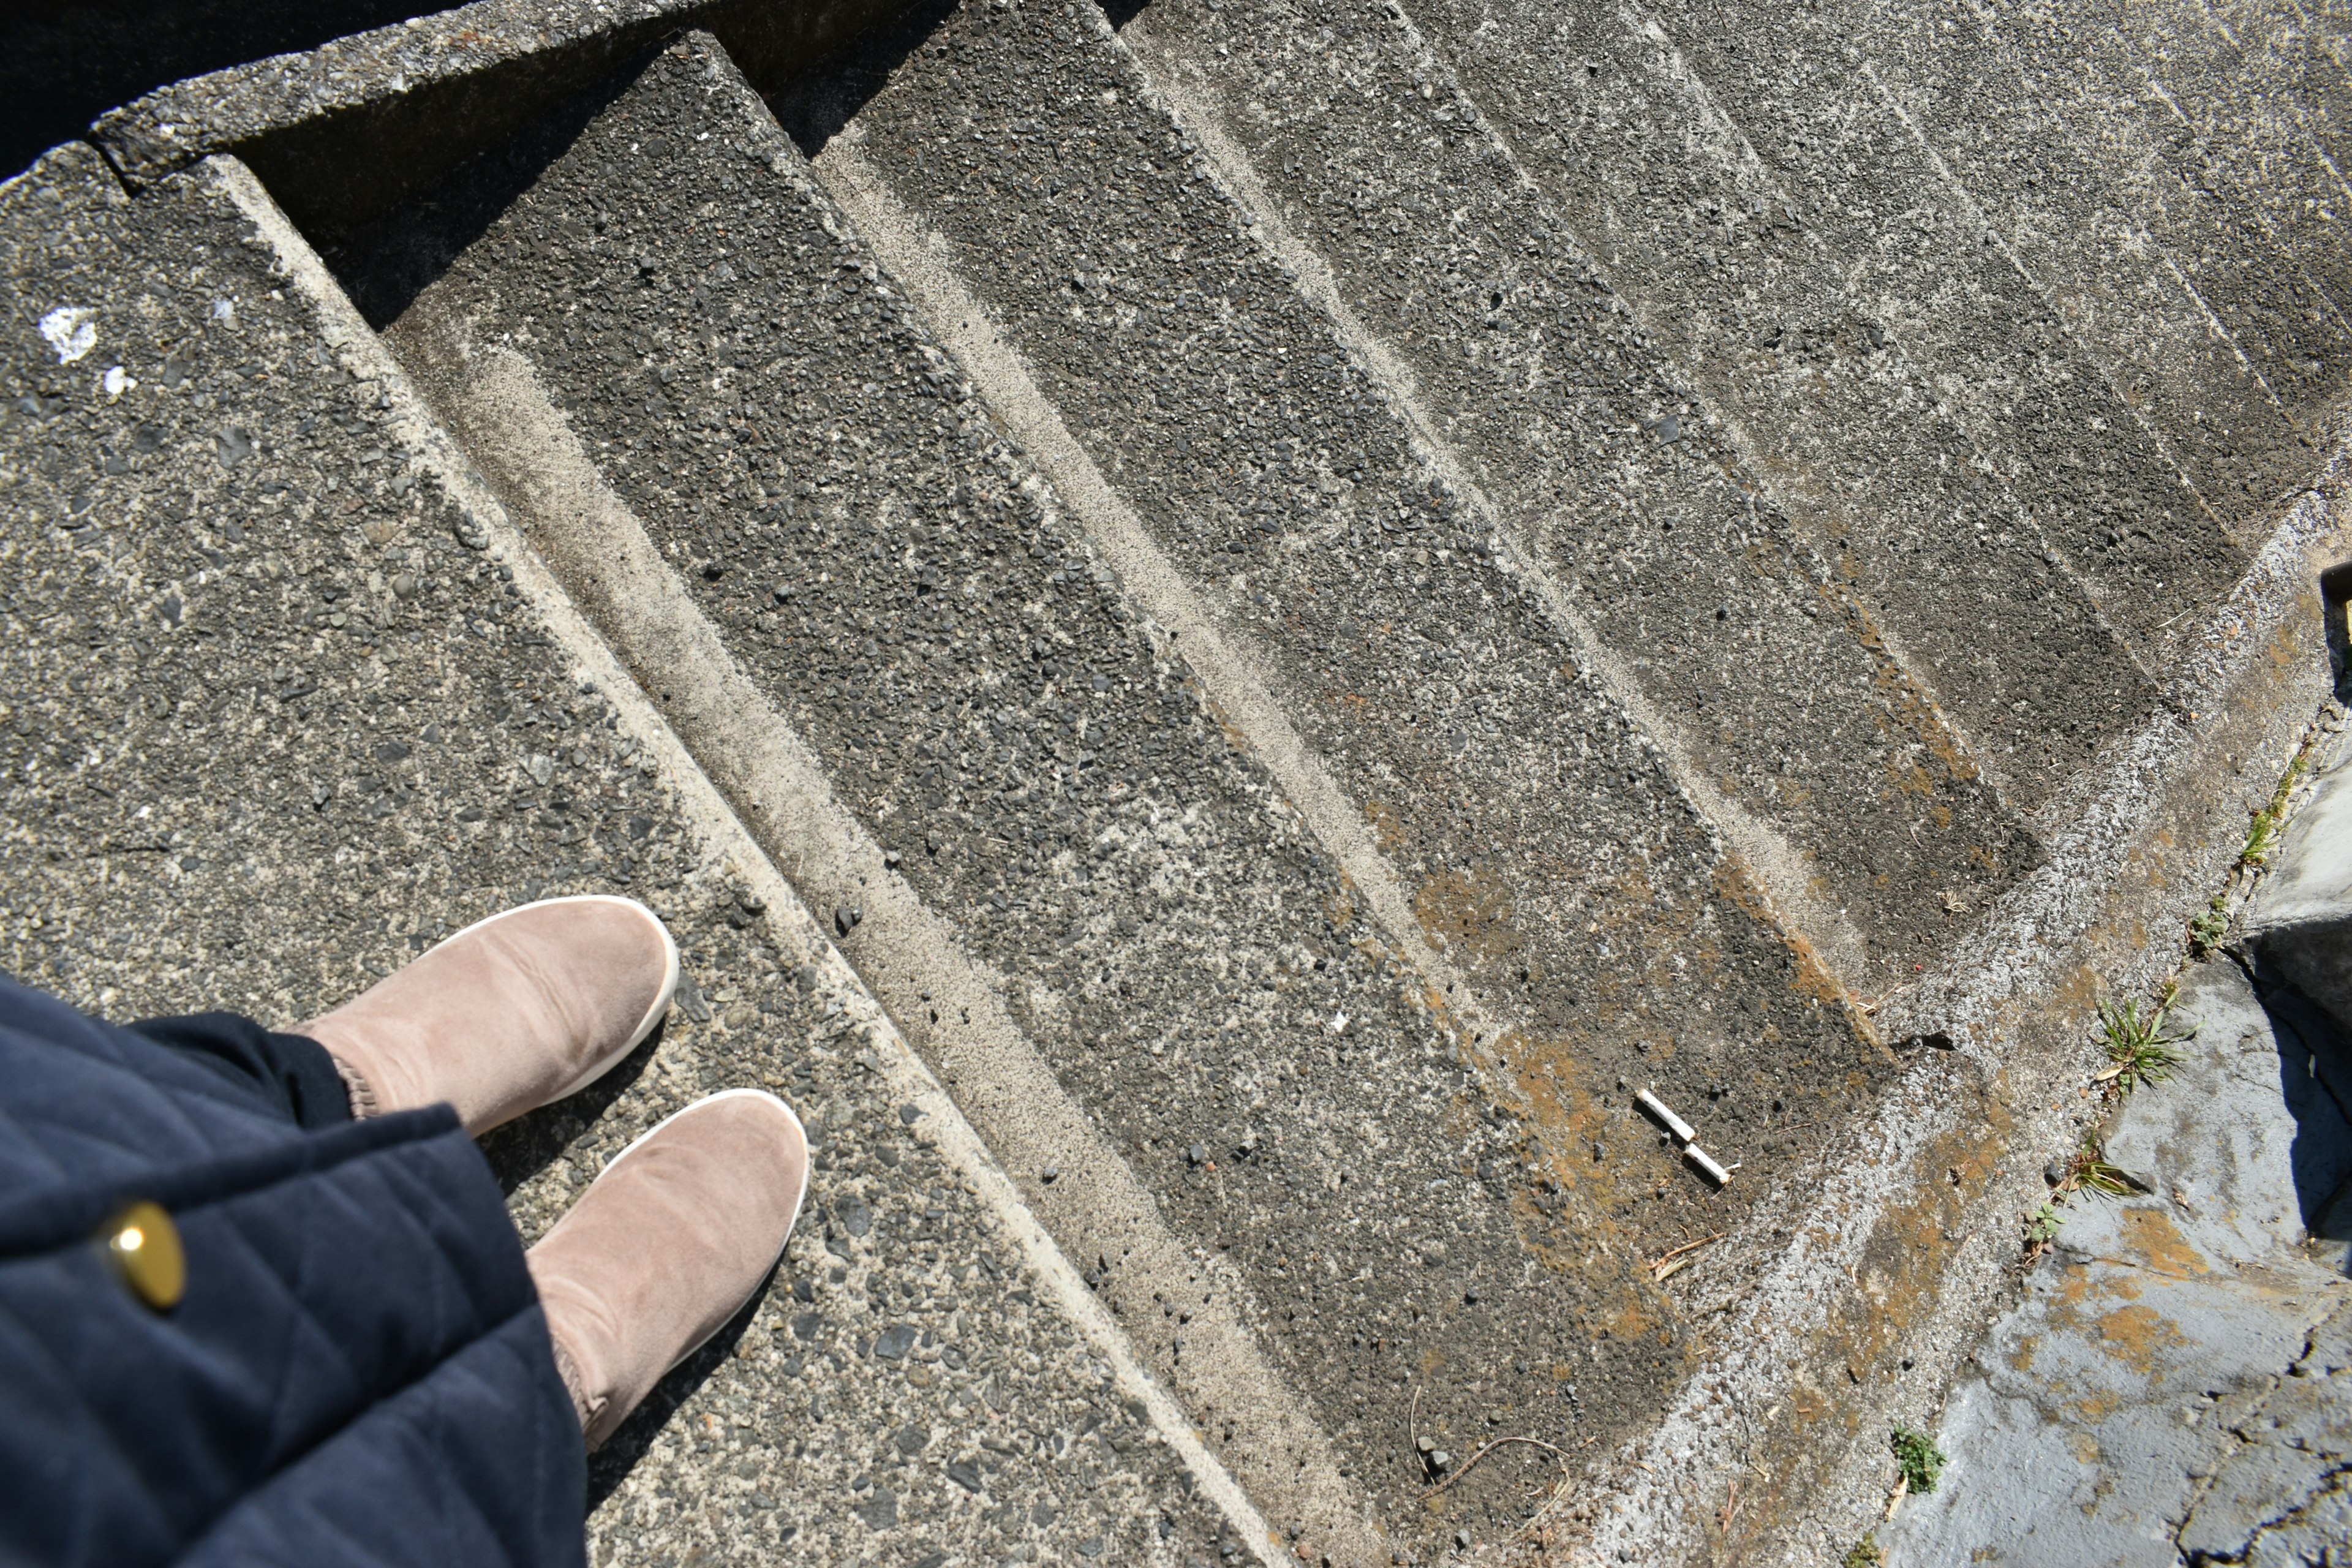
357,1286
294,1076
515,1011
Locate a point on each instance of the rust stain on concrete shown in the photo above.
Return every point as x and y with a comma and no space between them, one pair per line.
1897,1281
2139,1334
1471,911
2150,1233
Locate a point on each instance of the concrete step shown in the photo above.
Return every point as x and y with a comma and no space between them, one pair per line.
1907,399
1303,499
2235,115
1166,541
287,700
1296,1176
1352,628
2213,344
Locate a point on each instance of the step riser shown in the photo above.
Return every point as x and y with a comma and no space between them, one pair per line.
2090,93
913,959
1921,1273
2059,438
1214,470
1710,630
2249,132
1313,1139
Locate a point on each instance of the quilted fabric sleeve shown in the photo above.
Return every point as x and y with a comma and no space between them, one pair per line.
358,1364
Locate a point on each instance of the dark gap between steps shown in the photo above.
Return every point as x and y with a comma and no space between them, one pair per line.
813,104
62,66
2335,624
340,175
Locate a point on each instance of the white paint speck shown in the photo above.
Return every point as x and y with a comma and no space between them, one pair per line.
224,312
117,383
72,330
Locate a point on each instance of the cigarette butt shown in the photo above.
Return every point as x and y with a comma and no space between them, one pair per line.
1705,1162
1894,1498
1657,1108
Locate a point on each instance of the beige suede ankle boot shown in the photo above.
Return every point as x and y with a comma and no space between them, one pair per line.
668,1244
514,1011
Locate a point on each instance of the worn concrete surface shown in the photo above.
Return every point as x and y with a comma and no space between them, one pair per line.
278,716
2217,343
1610,942
992,714
2175,1387
1353,371
1654,525
1828,299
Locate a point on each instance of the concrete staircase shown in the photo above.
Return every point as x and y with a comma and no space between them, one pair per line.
1223,626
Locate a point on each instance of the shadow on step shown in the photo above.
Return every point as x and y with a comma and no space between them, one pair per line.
386,262
61,67
2315,1082
813,105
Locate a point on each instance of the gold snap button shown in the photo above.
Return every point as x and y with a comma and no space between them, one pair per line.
146,1246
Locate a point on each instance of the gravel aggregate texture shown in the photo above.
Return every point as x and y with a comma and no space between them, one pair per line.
1762,653
1418,668
2244,129
1866,209
887,567
1752,286
1222,623
278,718
2225,347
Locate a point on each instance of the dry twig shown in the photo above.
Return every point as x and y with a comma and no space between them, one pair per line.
1559,1453
1659,1262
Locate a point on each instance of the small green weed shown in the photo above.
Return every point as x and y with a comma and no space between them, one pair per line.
2041,1226
2206,932
1865,1553
2262,834
2137,1043
2091,1172
1920,1459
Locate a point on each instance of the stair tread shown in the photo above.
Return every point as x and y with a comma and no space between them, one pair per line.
166,850
2187,314
1783,693
1857,444
1338,736
1164,941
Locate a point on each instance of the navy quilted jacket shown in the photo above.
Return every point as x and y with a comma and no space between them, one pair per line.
358,1371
